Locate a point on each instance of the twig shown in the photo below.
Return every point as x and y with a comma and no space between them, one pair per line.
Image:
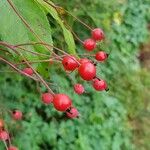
40,78
35,53
26,24
34,43
57,7
16,69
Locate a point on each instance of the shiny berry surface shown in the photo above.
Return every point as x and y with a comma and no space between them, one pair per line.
101,56
99,85
84,60
89,44
4,135
79,88
70,63
17,115
47,98
62,102
98,34
28,71
73,113
87,71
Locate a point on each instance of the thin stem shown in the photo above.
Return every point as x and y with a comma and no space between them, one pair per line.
5,50
8,138
38,61
33,43
26,23
91,55
56,59
21,72
35,53
41,43
75,35
40,78
13,47
57,7
87,26
8,46
16,69
5,144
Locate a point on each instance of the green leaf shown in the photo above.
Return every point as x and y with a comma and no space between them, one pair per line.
67,34
36,18
13,30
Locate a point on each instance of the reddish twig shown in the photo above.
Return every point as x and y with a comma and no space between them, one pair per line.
35,53
58,49
16,69
40,77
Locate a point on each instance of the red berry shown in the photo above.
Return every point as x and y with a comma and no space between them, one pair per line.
89,44
70,63
73,113
78,88
4,135
47,98
62,102
28,71
12,148
17,115
99,85
84,60
98,34
101,56
87,71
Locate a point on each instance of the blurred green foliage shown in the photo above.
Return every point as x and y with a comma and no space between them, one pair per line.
106,121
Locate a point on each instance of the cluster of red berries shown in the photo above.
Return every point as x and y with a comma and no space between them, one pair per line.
87,71
62,103
4,135
86,68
